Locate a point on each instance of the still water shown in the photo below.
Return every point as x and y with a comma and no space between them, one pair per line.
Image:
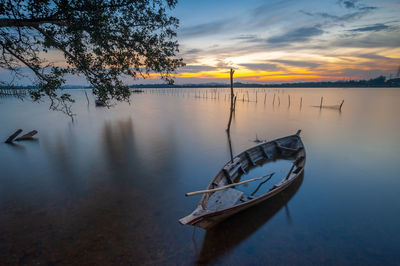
109,188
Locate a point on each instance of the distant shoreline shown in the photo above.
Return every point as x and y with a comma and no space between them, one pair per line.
379,82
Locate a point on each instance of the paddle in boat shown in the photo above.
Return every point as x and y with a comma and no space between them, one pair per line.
227,195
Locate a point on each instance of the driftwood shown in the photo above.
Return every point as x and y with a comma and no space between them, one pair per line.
227,186
27,136
13,136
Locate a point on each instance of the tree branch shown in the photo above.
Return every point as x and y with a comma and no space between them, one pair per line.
4,22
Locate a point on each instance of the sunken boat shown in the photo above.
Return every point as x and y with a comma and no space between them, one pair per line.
226,194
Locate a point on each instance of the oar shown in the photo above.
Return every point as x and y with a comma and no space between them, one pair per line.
227,186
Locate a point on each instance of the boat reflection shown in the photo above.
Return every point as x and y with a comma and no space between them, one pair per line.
226,235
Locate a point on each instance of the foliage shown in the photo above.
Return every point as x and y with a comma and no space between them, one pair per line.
104,41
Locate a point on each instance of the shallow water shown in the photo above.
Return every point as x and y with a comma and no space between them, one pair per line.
109,188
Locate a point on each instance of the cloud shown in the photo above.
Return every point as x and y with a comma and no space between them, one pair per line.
342,18
196,68
348,3
193,51
376,27
297,35
354,4
297,63
379,39
204,29
262,66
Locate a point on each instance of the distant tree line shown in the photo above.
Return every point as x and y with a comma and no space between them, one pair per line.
376,82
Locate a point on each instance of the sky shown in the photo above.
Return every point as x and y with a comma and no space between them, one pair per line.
287,41
275,41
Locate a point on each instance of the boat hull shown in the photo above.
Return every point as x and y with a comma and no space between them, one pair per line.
209,220
206,218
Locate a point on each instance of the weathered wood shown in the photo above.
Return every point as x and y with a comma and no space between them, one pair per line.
13,136
228,128
340,107
27,136
227,186
206,218
263,152
223,199
295,163
249,158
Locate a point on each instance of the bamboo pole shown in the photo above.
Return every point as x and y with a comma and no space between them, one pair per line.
227,186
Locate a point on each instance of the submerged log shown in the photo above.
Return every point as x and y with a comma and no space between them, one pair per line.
13,136
27,136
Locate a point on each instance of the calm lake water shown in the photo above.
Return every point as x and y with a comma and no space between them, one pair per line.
109,188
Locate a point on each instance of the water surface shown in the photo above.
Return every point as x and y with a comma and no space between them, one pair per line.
109,188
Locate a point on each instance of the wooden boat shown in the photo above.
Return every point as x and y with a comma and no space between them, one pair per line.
224,196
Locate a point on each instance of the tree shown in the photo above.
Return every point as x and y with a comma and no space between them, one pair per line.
104,40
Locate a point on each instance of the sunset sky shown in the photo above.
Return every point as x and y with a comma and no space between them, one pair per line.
275,41
280,41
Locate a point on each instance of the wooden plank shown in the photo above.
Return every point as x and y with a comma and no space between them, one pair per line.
27,136
263,152
249,158
227,175
13,136
223,199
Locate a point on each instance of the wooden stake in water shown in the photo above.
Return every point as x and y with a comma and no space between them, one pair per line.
289,99
273,101
320,105
232,95
265,97
340,107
